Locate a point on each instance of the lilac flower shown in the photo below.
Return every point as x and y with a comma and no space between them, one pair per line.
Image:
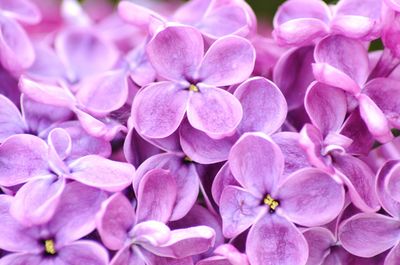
56,241
45,169
141,236
300,22
226,255
271,204
176,53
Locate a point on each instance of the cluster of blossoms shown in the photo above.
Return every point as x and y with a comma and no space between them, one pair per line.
180,134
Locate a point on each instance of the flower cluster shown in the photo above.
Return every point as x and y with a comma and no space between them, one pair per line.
156,133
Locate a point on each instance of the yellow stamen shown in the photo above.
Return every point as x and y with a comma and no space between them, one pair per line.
193,88
187,159
49,247
268,200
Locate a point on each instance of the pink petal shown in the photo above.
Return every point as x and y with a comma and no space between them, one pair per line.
239,209
22,157
158,109
392,183
176,52
393,256
310,197
214,111
264,106
275,240
114,220
137,14
99,172
256,163
229,60
22,10
326,106
156,196
386,200
367,235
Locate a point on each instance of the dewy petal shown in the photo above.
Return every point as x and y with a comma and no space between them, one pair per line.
156,196
13,235
326,106
319,241
114,220
159,108
10,119
103,93
375,119
99,172
383,92
256,163
37,200
239,209
22,10
264,106
21,158
214,111
83,251
185,242
310,197
21,259
360,180
176,52
353,60
275,240
75,214
367,235
229,60
17,51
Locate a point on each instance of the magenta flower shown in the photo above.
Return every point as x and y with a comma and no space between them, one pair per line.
141,236
270,204
177,54
56,241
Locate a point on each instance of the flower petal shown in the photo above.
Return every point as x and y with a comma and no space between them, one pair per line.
21,158
393,256
21,259
239,209
367,235
229,60
114,220
99,172
150,232
158,109
319,241
388,203
60,141
222,179
264,106
22,10
156,196
89,252
10,119
176,52
256,163
275,240
310,197
214,111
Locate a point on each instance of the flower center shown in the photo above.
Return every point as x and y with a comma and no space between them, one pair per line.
187,160
272,203
49,247
193,88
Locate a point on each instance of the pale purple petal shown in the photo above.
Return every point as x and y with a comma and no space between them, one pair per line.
176,52
150,232
159,108
367,235
222,179
239,209
10,119
99,172
22,10
393,256
156,196
60,141
282,243
21,259
114,220
310,197
256,163
214,111
229,60
392,183
388,203
264,106
319,241
88,252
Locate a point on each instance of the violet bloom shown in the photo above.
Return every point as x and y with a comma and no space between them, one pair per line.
300,22
376,98
45,169
368,234
141,236
177,54
226,255
56,241
270,204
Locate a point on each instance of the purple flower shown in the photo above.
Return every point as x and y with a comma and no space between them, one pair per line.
177,54
56,241
270,203
141,236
